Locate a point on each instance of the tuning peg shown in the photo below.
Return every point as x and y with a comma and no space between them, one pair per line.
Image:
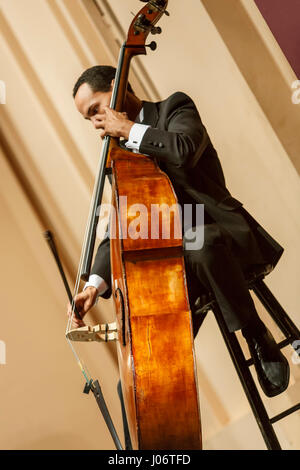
165,12
156,30
152,45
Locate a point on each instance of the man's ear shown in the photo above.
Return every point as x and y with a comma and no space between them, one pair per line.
112,84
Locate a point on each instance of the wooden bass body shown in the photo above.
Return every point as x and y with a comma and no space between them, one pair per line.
155,339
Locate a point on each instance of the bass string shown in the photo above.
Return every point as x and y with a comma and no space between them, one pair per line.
75,352
78,277
80,363
104,151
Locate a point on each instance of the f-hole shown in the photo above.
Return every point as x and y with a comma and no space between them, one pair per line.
118,290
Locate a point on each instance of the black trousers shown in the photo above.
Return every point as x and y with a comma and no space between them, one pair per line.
218,267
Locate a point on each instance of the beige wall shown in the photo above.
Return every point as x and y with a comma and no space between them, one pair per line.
241,83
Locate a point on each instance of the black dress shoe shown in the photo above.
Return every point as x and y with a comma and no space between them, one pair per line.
271,365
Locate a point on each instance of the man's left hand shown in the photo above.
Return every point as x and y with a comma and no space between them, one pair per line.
115,124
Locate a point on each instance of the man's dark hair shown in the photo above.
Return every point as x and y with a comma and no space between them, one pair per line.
99,78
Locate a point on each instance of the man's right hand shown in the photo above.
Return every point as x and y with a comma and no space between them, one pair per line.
84,301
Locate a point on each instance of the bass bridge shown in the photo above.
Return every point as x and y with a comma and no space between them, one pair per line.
102,333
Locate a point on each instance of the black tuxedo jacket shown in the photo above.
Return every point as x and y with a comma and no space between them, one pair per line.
180,143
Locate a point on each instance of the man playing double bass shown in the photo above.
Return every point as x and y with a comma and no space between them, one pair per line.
173,133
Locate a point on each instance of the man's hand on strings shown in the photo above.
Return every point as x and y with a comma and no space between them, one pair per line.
113,123
84,301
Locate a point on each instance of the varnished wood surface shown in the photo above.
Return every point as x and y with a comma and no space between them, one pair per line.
148,193
157,364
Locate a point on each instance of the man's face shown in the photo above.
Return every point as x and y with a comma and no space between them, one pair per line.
90,104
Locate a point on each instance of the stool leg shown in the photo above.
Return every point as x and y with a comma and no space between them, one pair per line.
274,308
248,383
128,445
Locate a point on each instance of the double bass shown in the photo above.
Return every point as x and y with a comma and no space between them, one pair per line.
153,324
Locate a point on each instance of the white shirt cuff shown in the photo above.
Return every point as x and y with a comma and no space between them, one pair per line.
136,135
98,282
